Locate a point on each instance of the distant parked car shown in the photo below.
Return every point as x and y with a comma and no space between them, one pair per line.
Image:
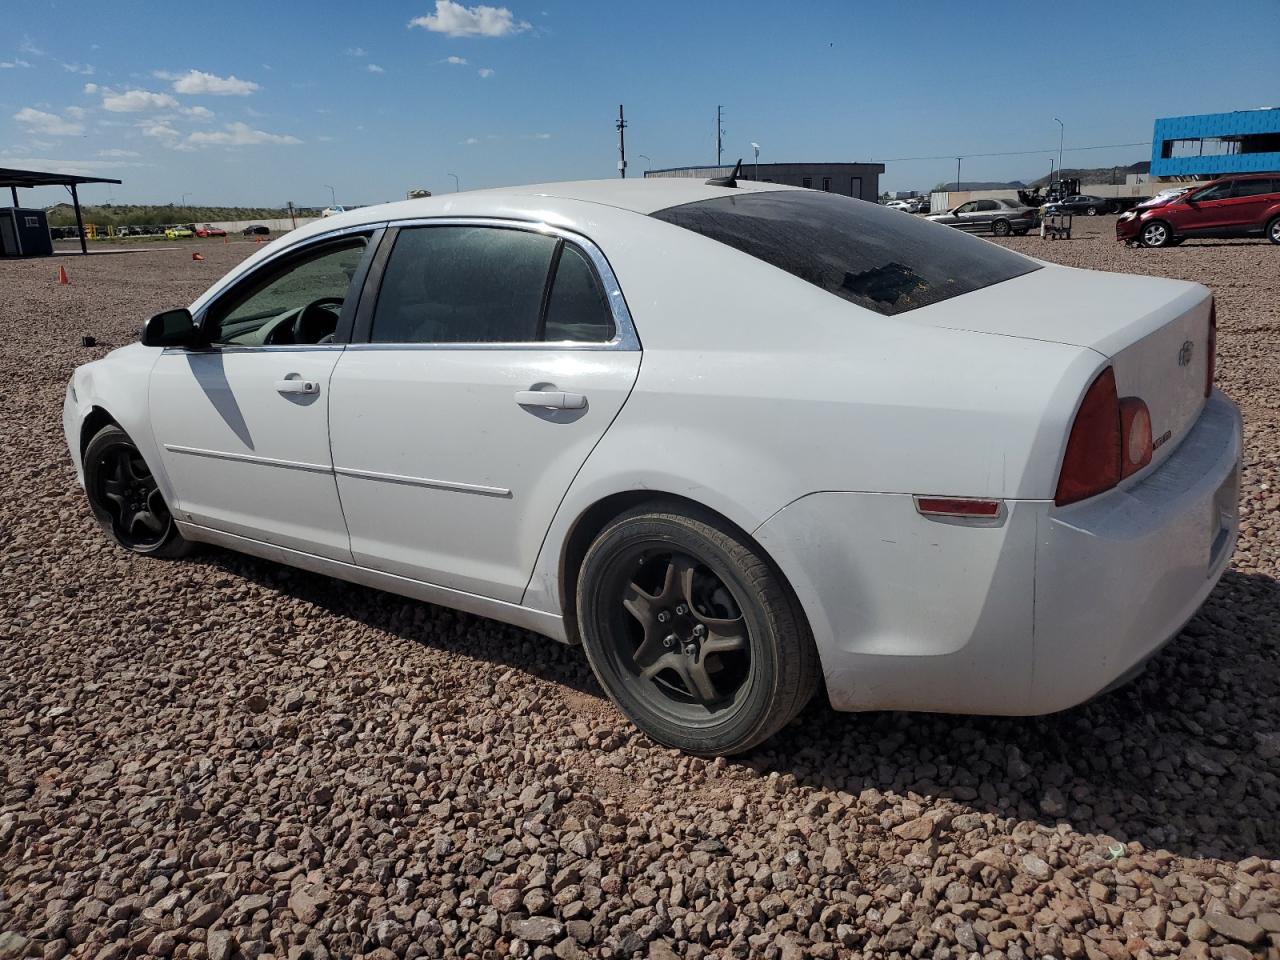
998,217
332,211
904,205
1080,203
178,232
1245,205
256,230
209,230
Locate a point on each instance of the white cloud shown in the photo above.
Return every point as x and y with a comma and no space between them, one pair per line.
374,68
117,152
76,113
325,139
49,124
456,61
82,68
485,72
238,135
356,52
542,136
14,63
470,142
91,88
454,20
200,113
29,47
161,131
197,82
135,101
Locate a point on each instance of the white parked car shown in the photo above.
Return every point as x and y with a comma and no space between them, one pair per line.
739,441
332,211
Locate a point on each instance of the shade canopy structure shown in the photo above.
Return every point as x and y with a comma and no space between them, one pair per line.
13,179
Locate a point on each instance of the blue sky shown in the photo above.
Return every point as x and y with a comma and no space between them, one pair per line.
258,103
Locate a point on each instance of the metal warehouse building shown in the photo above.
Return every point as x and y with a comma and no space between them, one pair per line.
861,180
1244,141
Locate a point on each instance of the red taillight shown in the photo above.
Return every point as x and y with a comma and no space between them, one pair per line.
1135,432
1211,362
1092,462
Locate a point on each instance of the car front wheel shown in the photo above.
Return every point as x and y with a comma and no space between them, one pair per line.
693,634
1156,234
1000,228
125,498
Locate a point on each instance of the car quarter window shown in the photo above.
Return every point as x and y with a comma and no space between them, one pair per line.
488,284
578,309
295,301
861,252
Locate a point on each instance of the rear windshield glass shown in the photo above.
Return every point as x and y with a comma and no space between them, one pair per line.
862,252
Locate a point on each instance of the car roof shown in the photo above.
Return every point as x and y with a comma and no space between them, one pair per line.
539,200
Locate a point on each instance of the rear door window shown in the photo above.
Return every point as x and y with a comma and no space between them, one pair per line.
861,252
1253,188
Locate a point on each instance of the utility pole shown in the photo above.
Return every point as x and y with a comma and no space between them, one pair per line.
957,174
719,133
293,217
622,144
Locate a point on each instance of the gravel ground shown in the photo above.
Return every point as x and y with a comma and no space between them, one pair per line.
222,757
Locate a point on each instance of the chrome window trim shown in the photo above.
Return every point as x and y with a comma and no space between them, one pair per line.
259,348
625,337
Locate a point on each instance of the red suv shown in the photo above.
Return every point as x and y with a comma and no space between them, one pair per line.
1246,205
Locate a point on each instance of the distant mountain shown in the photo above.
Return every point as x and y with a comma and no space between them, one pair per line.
981,185
1085,175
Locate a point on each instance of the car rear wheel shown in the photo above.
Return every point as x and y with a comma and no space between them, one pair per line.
1092,211
1001,228
125,498
693,634
1156,234
1273,230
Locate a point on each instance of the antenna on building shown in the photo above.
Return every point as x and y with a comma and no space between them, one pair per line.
622,144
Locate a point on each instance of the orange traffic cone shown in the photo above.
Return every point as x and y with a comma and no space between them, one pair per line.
62,274
197,256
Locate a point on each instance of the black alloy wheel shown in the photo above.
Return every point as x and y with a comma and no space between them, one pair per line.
692,633
125,497
1001,228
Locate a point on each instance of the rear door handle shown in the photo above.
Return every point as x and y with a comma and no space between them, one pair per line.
555,399
297,385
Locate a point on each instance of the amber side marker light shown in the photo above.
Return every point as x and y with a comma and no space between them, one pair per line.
958,507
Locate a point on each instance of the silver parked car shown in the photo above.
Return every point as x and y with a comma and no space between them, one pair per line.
999,217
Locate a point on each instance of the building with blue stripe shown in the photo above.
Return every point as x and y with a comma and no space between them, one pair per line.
1213,144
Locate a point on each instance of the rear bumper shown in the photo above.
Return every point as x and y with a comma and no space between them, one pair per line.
1035,614
1117,576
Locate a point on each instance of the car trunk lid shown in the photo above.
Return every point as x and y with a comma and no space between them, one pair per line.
1154,331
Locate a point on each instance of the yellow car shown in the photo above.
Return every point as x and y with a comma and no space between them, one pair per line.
177,233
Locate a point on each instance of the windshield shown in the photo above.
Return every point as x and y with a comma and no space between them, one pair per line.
860,252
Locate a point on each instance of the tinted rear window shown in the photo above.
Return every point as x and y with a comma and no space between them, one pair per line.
862,252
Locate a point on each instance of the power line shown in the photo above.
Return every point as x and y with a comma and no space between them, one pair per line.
1019,153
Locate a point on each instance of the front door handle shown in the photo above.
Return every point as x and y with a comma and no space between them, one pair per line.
295,384
555,399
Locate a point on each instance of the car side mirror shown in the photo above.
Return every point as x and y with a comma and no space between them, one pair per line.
173,328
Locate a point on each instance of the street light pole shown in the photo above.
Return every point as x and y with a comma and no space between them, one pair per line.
647,162
456,183
957,174
756,149
333,197
1061,133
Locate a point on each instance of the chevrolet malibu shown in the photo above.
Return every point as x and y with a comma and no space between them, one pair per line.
740,441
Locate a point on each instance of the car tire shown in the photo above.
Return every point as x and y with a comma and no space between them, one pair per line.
1156,233
1020,233
125,498
1273,230
1001,228
659,586
1091,211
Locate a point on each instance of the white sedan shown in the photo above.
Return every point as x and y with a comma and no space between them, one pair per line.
739,440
